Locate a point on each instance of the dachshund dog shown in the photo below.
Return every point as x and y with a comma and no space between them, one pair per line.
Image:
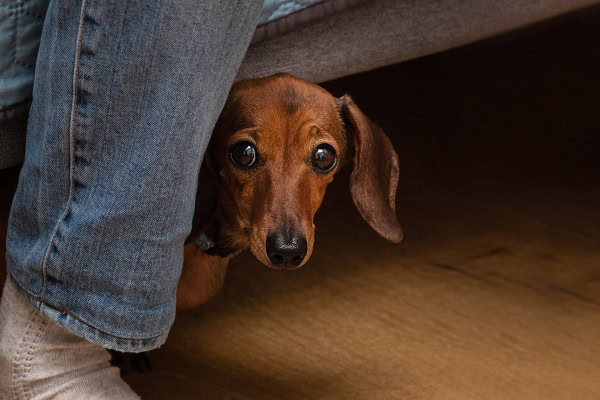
276,146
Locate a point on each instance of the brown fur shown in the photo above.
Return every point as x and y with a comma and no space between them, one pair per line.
201,279
286,118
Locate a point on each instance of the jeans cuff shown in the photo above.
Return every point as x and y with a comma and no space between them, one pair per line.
88,332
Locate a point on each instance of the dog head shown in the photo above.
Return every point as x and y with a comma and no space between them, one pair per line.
276,146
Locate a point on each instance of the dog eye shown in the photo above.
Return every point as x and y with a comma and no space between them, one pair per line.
243,154
324,158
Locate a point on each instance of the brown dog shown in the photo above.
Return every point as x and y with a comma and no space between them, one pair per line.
277,145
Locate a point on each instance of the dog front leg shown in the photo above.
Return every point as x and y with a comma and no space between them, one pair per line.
201,279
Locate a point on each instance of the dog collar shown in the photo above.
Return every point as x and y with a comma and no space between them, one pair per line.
207,245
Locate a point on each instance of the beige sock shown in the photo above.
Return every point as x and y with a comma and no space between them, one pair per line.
41,360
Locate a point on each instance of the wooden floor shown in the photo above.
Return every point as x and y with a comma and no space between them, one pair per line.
495,291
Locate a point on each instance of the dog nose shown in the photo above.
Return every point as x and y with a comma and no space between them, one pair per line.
286,250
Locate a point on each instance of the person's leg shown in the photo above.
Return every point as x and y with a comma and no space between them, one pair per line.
126,94
40,360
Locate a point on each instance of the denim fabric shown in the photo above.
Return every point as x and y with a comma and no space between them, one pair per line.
274,9
20,28
125,96
281,16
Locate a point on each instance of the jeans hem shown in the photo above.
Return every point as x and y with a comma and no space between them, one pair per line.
89,332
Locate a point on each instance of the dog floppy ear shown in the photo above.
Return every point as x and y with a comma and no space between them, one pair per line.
207,197
375,175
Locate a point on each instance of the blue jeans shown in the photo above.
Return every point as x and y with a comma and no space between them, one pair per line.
125,97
